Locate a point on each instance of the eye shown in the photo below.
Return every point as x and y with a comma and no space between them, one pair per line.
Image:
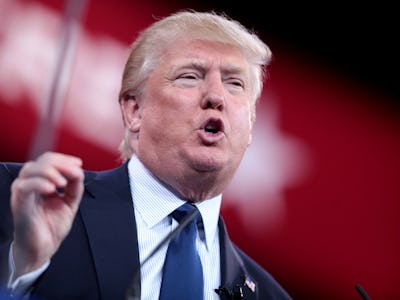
187,79
188,76
235,84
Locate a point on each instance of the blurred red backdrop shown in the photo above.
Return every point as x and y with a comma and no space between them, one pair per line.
316,201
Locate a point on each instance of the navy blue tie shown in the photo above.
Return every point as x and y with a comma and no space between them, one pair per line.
182,271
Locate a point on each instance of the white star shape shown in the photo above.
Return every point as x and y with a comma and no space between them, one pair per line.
273,162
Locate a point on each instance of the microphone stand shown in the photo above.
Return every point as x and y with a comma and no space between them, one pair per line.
362,292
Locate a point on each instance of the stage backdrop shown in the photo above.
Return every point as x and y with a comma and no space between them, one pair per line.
317,199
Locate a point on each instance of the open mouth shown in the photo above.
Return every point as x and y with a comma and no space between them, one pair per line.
212,132
213,126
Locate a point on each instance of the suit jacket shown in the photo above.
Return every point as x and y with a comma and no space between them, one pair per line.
98,258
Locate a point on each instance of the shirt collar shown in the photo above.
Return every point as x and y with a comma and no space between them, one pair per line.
154,201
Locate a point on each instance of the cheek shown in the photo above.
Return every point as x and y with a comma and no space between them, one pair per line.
154,122
242,119
161,124
241,127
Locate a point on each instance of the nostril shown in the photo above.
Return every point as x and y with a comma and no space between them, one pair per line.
215,105
213,102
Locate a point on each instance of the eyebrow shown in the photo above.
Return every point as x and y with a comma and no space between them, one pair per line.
202,65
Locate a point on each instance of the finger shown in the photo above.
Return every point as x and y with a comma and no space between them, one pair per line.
49,156
73,195
74,188
66,164
55,167
34,169
22,187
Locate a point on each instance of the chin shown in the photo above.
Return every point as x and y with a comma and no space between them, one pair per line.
208,164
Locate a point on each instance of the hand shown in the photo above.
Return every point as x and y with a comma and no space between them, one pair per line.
44,200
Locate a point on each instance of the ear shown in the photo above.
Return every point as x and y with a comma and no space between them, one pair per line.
131,113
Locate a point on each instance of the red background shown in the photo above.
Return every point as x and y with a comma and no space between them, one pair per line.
336,223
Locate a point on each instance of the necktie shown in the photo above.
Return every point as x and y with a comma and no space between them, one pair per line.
182,271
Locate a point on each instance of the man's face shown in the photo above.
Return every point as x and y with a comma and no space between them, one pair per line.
195,112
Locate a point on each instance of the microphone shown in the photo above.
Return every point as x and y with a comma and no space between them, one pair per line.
234,293
133,292
362,292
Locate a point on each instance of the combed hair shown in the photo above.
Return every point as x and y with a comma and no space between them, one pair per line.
150,44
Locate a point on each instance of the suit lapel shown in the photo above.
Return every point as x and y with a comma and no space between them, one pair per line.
235,280
108,215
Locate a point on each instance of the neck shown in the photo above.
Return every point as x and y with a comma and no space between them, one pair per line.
196,187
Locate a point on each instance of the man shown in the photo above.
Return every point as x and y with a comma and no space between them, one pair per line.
188,98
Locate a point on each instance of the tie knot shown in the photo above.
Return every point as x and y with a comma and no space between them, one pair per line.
186,209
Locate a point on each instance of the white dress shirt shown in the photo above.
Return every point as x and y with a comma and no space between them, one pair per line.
153,203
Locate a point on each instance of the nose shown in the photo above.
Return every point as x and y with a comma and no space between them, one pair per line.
213,94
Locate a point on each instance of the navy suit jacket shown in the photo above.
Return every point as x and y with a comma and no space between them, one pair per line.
98,258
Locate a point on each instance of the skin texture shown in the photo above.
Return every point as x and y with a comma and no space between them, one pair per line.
197,83
190,127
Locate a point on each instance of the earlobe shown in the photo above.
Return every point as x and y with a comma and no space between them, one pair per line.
131,114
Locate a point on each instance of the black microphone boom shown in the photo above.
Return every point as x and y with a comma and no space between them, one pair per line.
362,292
134,291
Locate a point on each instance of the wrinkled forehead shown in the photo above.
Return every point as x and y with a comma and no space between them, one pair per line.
204,56
205,51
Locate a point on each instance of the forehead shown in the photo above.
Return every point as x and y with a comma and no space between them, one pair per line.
204,53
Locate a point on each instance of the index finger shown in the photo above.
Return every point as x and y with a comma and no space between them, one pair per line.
55,167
